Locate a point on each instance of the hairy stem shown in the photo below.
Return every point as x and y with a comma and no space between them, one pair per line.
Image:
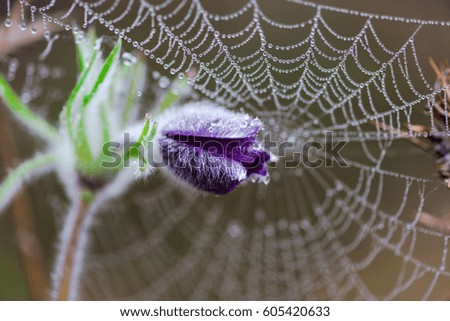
71,253
75,234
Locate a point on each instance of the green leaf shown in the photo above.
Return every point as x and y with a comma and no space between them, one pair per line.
85,48
147,134
37,124
73,95
83,149
21,174
109,62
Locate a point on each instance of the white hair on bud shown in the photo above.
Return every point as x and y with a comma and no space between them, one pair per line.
210,119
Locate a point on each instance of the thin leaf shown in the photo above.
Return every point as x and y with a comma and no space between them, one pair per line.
32,121
74,94
34,167
85,48
147,134
83,150
109,62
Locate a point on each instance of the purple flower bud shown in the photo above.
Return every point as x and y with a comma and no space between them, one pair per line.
210,147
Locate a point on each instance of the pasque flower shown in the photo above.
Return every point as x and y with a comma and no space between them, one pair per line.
210,147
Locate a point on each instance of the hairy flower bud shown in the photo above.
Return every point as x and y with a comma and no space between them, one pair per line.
210,147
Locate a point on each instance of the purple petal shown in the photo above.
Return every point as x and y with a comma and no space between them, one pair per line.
215,174
210,148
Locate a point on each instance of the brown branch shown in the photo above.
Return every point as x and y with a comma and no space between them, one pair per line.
29,246
435,223
28,243
404,134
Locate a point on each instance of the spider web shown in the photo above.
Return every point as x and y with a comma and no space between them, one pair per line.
325,233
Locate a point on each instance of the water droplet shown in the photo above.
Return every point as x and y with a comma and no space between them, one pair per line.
128,59
269,231
256,122
265,179
8,23
180,76
43,71
164,82
234,230
23,26
305,224
156,74
260,215
33,30
243,124
139,94
57,73
26,97
33,9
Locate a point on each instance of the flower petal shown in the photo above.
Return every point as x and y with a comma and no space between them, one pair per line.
210,147
205,171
